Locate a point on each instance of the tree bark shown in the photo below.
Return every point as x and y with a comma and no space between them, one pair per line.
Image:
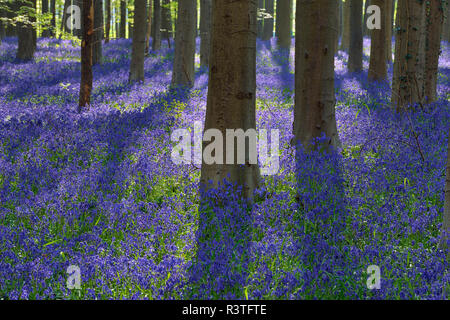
345,42
378,65
98,32
86,54
389,23
156,45
108,21
26,34
366,31
232,90
45,9
314,111
260,23
186,30
52,32
123,18
139,34
166,21
434,21
446,27
284,23
406,89
205,31
149,27
355,55
268,22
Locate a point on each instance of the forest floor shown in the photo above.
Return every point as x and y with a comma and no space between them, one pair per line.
100,191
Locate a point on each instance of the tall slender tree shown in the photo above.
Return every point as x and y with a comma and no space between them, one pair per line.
268,21
446,28
378,66
166,21
156,44
345,41
314,112
26,31
260,17
232,91
405,85
355,54
45,9
98,32
86,54
108,20
389,16
149,26
205,31
284,23
53,21
186,30
434,22
138,49
123,18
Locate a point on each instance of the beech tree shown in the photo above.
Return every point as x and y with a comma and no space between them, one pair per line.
345,41
108,20
149,27
98,32
388,16
446,28
355,54
45,9
232,90
123,18
139,34
314,112
268,22
284,23
86,54
406,89
205,31
434,21
260,23
166,21
184,58
156,44
26,31
378,65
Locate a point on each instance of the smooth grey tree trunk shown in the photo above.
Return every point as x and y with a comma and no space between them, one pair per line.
26,35
156,44
232,90
378,62
139,35
186,30
149,26
268,22
345,42
355,54
98,32
260,23
284,23
314,112
123,18
166,21
205,31
434,22
446,27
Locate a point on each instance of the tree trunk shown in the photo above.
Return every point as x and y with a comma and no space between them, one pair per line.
205,31
78,32
186,29
166,21
366,31
26,34
108,21
389,23
434,21
45,9
64,27
156,45
446,27
98,32
123,18
232,91
405,86
268,22
149,27
260,23
445,233
355,55
52,32
345,42
314,111
378,65
284,23
139,34
86,54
